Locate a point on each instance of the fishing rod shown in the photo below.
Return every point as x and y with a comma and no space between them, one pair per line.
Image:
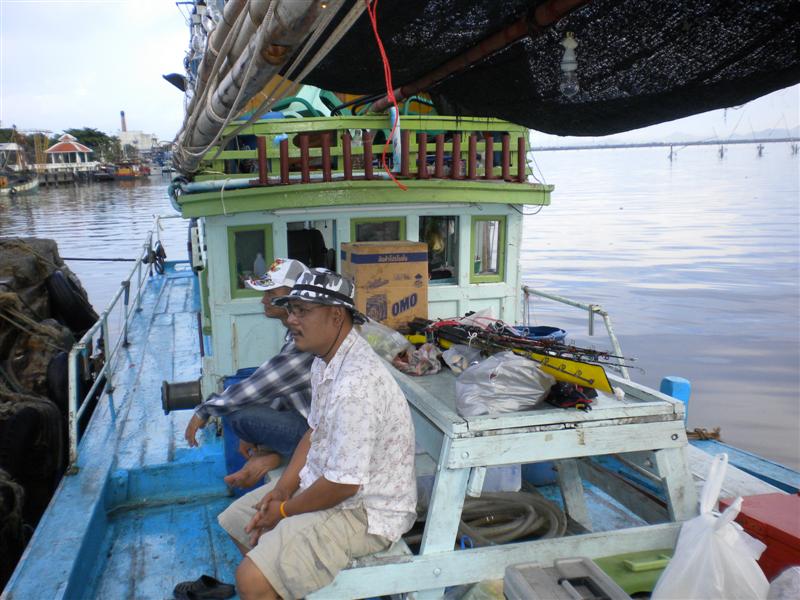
491,342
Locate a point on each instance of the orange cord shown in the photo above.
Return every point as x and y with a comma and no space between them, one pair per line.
372,11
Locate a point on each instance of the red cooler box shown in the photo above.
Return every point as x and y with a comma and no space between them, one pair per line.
775,520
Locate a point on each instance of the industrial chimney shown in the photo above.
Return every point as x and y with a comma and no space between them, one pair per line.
122,119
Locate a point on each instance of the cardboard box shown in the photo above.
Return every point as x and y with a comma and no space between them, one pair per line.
391,280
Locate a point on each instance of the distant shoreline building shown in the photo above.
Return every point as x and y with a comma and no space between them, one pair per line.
144,143
68,152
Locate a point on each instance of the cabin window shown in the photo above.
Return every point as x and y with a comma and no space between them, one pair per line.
379,229
312,242
488,249
250,254
441,235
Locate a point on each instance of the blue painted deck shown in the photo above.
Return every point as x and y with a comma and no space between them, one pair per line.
140,514
780,476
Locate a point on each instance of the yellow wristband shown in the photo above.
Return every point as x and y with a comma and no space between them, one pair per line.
282,511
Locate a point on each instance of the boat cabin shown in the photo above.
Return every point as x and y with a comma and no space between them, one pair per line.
302,188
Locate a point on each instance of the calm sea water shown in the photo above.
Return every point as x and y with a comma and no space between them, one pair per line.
697,261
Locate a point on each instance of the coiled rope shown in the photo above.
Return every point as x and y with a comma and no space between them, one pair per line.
501,517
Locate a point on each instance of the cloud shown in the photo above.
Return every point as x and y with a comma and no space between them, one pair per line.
74,64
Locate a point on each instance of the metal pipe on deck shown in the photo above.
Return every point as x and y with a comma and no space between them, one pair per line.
591,309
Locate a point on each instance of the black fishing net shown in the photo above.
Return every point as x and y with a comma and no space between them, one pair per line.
639,61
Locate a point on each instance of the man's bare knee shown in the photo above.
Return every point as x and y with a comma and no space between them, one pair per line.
251,583
242,548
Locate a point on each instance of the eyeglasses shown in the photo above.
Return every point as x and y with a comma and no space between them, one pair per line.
298,310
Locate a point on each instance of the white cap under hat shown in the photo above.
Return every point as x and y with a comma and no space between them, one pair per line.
283,272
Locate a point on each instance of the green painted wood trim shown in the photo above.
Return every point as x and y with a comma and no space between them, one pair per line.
360,220
268,257
204,297
419,122
501,250
270,128
363,192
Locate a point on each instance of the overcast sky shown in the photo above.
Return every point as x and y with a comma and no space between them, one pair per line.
77,63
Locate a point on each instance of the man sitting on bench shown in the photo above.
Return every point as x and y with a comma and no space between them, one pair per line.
349,489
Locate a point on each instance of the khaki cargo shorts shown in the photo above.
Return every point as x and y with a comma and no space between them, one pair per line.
304,552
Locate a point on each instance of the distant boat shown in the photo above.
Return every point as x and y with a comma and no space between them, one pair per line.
15,176
127,170
104,172
17,183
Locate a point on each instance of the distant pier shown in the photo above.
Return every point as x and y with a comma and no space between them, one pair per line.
760,141
56,174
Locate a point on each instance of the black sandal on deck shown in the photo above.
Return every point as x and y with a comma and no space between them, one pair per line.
203,587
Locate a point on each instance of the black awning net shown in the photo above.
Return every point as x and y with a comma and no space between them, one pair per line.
639,61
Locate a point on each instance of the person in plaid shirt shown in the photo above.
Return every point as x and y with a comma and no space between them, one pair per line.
268,410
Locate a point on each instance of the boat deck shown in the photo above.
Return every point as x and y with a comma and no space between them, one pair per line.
140,513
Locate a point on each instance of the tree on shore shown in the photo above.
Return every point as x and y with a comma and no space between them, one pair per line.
106,147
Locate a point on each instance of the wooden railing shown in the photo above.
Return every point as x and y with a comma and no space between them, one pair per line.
290,151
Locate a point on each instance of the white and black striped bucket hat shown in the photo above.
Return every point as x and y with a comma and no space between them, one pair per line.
322,286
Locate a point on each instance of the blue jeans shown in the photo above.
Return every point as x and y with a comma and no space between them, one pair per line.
279,430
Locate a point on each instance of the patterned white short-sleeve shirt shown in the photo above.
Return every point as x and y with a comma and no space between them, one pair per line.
361,433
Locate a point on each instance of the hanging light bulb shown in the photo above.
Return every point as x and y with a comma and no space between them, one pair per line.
569,66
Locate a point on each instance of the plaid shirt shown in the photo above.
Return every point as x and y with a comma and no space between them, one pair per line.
282,383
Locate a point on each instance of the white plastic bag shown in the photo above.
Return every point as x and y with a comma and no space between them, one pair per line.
387,342
460,357
422,361
714,557
502,383
785,586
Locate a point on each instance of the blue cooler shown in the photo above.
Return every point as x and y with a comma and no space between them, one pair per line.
542,333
